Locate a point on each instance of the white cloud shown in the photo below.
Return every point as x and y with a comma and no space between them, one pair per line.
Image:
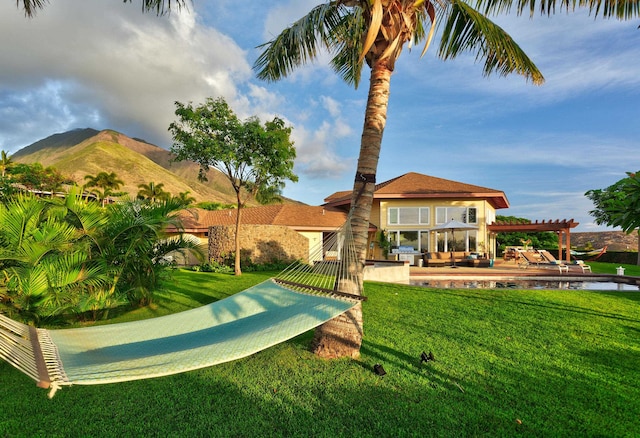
124,67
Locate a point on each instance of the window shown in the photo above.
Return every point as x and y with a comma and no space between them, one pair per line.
418,240
462,214
408,216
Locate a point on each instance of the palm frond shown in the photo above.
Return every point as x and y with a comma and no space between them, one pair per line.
347,47
466,29
299,43
620,9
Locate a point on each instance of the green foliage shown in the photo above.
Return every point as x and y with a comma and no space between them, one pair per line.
545,239
208,205
212,266
619,204
35,177
104,185
153,192
60,257
256,159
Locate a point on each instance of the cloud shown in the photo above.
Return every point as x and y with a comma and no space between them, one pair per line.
124,69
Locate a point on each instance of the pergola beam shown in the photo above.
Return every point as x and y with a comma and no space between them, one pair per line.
560,227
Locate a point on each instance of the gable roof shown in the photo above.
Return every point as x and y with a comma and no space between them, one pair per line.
298,217
418,186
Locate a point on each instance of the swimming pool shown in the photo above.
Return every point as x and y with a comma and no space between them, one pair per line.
526,284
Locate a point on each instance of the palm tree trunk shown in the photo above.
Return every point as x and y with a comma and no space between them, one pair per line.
342,336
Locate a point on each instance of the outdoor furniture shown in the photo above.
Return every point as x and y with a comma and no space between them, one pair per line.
531,258
582,265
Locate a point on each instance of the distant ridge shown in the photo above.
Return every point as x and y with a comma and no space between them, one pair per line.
60,140
87,151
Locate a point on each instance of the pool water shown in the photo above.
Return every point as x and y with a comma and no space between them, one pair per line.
526,284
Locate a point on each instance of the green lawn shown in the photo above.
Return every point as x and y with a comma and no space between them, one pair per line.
508,363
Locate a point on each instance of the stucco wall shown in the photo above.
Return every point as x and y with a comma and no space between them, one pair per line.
260,243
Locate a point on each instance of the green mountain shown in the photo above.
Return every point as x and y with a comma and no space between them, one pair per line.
87,151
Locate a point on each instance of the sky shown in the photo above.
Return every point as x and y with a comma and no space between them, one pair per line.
105,65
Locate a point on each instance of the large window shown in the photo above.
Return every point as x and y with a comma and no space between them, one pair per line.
418,240
460,240
467,215
408,216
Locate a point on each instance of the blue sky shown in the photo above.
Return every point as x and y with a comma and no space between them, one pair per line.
103,64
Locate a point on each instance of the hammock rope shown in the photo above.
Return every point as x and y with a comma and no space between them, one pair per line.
302,297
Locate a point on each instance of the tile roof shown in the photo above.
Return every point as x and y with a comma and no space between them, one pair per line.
417,185
299,217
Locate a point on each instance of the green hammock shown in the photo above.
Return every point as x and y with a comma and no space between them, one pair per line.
229,329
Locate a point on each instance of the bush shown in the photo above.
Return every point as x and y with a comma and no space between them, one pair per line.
212,267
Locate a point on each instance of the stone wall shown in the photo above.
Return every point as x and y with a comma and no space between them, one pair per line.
259,243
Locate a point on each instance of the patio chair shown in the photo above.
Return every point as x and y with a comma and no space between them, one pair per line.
532,259
583,266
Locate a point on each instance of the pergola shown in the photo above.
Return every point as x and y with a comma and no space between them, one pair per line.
560,227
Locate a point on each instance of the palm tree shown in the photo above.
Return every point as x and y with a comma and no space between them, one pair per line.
184,198
5,162
375,32
153,192
108,182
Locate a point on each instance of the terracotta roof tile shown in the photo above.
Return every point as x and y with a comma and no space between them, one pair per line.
300,217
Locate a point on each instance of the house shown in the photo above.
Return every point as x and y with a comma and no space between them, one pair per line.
273,232
409,207
406,209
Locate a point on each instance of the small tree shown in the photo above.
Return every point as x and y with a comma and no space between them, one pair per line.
619,205
108,182
5,162
153,192
256,159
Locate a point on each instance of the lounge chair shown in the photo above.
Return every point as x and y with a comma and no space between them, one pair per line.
537,259
582,265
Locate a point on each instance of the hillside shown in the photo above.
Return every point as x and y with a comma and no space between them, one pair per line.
87,151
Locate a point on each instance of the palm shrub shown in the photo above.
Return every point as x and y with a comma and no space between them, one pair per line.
46,268
135,245
61,257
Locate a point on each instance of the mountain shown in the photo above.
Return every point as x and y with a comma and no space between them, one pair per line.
87,151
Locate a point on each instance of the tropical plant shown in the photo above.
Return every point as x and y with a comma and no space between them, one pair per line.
135,245
104,185
619,205
375,32
60,257
5,162
184,199
153,192
256,159
44,258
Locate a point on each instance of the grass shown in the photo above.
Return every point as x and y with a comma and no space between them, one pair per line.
507,363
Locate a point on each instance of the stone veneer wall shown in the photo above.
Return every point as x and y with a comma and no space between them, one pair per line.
260,243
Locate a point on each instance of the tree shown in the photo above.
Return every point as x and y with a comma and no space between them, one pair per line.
153,192
108,182
5,163
375,31
543,239
619,205
256,159
184,199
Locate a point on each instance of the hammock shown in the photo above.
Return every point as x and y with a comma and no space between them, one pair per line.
595,254
303,297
